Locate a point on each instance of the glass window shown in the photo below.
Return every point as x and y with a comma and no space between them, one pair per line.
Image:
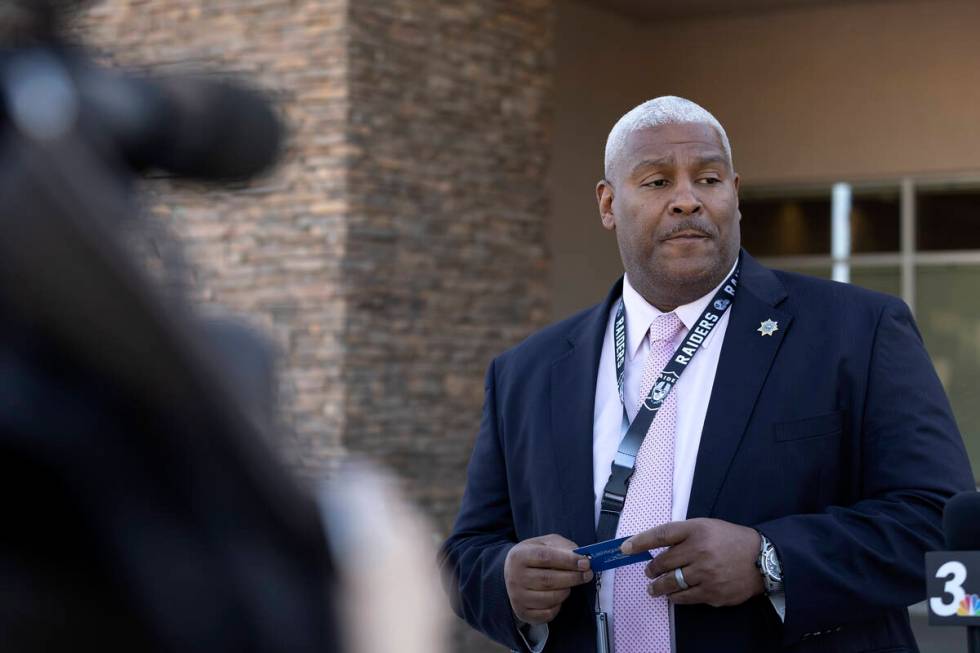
799,225
875,221
883,279
948,218
786,226
951,330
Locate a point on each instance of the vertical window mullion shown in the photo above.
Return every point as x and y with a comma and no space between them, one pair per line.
840,231
908,241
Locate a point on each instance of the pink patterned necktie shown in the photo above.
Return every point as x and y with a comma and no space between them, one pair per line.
642,622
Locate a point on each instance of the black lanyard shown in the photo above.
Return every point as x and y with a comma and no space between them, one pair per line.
624,462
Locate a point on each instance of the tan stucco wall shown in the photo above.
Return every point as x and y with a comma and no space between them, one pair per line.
871,90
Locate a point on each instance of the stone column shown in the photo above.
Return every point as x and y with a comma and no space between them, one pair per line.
446,262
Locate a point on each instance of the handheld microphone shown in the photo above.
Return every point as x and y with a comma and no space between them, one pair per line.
953,576
190,126
961,524
193,127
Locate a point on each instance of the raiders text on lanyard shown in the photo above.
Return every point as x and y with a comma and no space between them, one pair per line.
614,495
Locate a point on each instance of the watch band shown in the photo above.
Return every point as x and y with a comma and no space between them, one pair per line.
769,566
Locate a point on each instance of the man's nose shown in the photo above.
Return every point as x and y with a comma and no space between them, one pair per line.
685,200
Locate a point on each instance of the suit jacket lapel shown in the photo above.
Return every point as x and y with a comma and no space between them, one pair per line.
746,357
573,384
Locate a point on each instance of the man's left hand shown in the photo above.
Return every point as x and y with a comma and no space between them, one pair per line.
717,559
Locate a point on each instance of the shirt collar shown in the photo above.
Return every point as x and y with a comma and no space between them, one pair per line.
640,314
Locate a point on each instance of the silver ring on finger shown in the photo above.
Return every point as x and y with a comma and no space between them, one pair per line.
679,579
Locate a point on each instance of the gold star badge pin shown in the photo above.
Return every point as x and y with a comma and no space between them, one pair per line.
768,327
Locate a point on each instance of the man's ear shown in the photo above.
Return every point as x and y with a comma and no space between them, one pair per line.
738,209
604,196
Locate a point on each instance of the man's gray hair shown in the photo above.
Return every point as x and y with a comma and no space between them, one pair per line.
664,110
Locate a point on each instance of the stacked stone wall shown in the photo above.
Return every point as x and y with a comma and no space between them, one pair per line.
446,255
272,250
446,260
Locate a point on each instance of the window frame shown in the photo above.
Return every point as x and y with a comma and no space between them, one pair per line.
908,259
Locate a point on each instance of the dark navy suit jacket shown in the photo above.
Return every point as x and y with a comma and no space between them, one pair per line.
833,436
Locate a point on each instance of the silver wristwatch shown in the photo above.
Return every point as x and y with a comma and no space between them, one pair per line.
769,567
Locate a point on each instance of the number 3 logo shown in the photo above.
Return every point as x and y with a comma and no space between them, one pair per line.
956,573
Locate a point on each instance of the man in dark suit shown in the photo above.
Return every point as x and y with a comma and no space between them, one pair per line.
791,481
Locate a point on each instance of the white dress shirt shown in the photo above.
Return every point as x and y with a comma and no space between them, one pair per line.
693,392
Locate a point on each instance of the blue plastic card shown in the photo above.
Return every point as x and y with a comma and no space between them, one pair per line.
607,555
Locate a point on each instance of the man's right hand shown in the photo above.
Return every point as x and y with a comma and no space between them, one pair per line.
539,573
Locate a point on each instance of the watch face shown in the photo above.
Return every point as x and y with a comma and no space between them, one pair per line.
772,566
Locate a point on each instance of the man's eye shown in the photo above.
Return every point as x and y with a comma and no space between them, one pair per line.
656,183
710,180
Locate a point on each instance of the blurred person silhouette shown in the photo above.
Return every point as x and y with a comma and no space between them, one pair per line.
144,509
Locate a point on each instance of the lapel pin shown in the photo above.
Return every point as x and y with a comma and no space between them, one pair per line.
768,327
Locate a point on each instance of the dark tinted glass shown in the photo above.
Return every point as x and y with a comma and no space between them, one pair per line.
800,225
875,221
948,218
786,226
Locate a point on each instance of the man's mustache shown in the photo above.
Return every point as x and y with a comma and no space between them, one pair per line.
704,228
